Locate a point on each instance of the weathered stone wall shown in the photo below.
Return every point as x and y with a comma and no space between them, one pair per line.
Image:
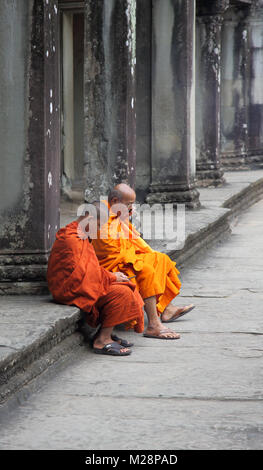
173,103
78,30
138,129
229,54
14,57
235,86
241,104
208,115
255,111
143,97
109,84
29,213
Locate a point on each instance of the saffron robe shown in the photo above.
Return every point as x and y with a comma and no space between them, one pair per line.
119,247
75,278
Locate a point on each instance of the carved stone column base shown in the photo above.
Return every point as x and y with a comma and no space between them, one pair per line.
210,178
237,161
23,273
209,174
255,160
174,194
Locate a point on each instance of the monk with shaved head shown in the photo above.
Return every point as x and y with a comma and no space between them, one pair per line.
75,277
119,247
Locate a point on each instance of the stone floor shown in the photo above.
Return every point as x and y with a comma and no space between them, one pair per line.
203,391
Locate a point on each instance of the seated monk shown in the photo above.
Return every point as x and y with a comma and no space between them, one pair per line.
75,278
119,247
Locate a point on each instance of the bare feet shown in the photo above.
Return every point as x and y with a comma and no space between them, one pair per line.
155,328
161,333
172,313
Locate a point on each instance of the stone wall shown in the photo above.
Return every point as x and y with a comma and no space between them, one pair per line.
110,101
29,211
144,61
255,110
235,88
228,98
143,97
15,19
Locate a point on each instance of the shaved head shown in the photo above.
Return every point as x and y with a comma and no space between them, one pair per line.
91,218
125,189
122,192
121,199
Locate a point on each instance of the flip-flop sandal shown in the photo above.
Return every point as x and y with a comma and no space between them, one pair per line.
112,349
161,337
178,316
122,342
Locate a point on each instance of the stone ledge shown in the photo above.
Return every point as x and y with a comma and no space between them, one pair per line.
14,388
246,197
204,238
32,326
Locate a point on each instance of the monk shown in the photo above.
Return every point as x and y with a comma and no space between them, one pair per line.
75,278
119,247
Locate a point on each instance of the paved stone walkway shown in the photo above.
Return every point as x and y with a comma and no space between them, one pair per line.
203,391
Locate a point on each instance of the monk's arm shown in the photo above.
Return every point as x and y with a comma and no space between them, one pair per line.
108,274
105,248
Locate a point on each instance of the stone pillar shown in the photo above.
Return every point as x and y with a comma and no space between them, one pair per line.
235,83
109,89
68,97
29,136
255,111
143,97
173,103
209,171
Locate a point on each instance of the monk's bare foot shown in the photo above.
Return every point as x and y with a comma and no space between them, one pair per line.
172,313
161,333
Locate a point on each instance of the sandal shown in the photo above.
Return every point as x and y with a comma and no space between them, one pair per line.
112,349
122,342
186,310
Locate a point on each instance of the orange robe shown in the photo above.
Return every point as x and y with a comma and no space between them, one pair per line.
75,278
119,247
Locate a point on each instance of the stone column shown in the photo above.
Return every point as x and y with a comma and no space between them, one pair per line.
109,89
143,97
173,103
255,111
209,170
29,136
235,83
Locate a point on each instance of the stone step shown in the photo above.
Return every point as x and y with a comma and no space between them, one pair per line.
35,332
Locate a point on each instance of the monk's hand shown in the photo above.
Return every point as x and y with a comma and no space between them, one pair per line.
120,277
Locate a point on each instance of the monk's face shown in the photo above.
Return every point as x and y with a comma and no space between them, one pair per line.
128,200
124,206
